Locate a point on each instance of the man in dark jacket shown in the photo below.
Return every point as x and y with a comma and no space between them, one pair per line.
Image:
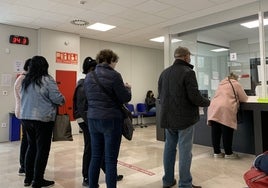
180,101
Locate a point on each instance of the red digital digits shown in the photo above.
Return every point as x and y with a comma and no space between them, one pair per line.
14,39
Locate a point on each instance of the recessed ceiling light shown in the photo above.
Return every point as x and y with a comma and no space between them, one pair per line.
219,50
254,24
79,22
100,27
175,40
158,39
162,39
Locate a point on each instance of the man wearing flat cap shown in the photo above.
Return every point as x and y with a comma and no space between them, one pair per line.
180,100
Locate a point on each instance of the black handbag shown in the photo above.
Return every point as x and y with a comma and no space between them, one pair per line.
128,128
239,112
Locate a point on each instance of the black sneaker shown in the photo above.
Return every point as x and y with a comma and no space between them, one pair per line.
21,172
27,184
43,183
119,177
85,182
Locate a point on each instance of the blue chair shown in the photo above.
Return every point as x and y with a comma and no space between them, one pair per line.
133,112
142,111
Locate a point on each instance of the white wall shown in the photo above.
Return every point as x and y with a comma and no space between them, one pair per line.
138,66
49,42
7,62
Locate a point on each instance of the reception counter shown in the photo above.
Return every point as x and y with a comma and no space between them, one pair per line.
250,137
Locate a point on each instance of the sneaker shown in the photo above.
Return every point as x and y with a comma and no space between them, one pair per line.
231,156
21,172
218,155
43,183
168,186
27,184
196,186
85,182
119,177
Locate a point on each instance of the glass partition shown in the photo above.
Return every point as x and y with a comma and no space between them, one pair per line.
221,49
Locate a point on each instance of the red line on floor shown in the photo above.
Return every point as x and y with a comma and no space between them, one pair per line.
136,168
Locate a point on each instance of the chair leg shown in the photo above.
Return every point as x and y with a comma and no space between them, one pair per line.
141,124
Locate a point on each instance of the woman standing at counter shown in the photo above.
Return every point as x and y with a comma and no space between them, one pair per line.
222,115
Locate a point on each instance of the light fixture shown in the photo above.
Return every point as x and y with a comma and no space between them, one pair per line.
175,40
254,24
100,27
219,50
79,22
158,39
162,39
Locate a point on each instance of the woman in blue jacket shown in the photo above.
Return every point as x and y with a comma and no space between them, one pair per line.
104,116
40,98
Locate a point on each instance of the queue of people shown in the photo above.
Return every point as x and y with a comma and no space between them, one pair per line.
97,100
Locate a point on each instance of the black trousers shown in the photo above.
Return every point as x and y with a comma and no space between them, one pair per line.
87,150
39,136
219,131
23,147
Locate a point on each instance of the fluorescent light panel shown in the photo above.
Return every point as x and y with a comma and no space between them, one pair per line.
254,24
219,50
100,27
158,39
162,39
175,40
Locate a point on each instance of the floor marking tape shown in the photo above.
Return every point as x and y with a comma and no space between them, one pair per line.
136,168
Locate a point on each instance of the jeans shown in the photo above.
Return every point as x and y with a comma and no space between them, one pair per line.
106,137
184,140
39,136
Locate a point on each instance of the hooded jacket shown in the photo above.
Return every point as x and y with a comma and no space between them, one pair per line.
223,107
179,96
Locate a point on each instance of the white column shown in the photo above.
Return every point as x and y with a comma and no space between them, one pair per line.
167,49
262,56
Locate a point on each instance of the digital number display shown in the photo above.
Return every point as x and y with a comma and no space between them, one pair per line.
15,39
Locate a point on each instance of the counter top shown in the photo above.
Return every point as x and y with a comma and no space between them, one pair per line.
252,99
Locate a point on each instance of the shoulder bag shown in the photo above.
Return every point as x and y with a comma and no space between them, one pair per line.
62,130
239,112
128,128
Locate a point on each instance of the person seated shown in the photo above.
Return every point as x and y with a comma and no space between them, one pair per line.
150,101
261,162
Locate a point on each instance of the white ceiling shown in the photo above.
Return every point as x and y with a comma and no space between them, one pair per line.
137,20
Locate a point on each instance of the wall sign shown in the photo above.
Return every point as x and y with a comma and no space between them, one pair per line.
67,58
15,39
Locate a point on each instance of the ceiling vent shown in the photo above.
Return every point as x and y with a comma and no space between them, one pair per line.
79,22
